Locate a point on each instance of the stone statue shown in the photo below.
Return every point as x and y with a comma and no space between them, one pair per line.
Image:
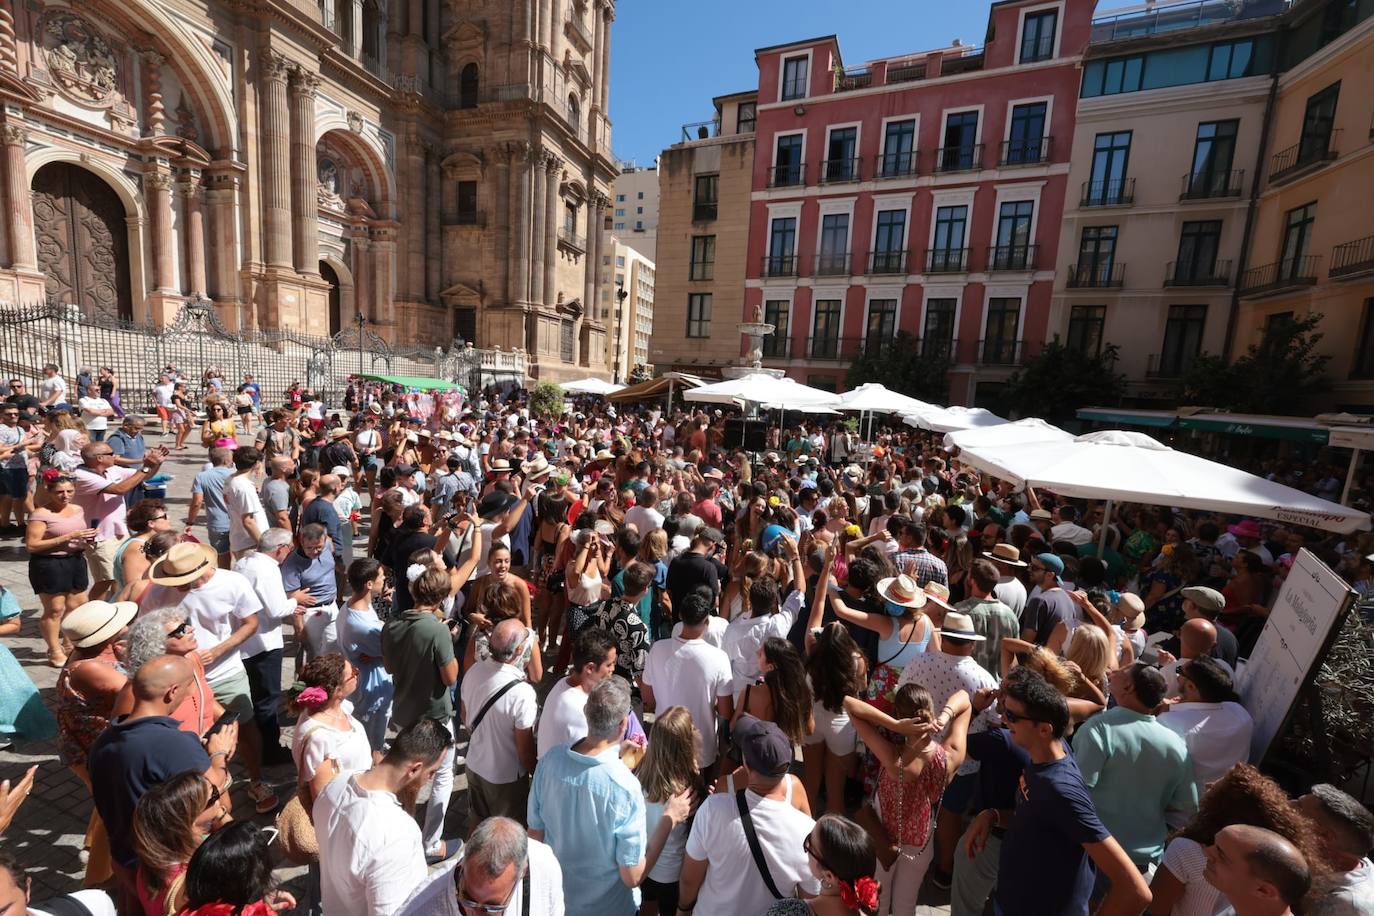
758,313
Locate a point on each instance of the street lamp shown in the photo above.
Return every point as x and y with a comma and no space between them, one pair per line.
620,295
361,319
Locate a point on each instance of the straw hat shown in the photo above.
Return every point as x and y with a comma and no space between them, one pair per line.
338,432
184,563
960,626
1005,553
939,594
1043,515
96,621
537,467
500,466
902,590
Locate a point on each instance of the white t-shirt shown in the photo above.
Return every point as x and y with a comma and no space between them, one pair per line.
215,610
1072,532
745,635
314,740
491,750
162,394
436,897
668,868
47,387
371,855
95,422
733,883
1349,893
1185,860
241,498
564,719
97,902
690,673
487,528
716,628
644,519
1011,591
1217,735
264,575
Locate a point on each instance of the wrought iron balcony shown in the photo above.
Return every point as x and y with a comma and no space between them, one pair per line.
775,347
1011,257
787,176
781,265
1097,275
1290,273
938,348
906,71
1352,258
1191,273
832,264
1169,365
946,260
571,239
1306,156
895,165
887,262
836,170
1118,192
967,158
997,352
1026,152
848,348
1212,185
853,78
702,213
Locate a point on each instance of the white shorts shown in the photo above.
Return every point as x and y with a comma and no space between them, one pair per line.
835,729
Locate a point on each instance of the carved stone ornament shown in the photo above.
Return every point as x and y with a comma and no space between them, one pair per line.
355,122
327,191
80,61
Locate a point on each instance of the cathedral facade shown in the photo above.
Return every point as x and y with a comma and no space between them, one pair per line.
432,170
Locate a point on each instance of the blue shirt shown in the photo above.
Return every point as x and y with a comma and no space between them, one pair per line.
125,445
321,511
210,485
591,810
1042,850
315,576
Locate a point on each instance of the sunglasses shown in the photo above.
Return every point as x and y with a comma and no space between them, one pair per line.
806,847
217,792
1012,718
181,630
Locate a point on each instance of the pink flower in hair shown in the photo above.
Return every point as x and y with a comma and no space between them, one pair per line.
312,697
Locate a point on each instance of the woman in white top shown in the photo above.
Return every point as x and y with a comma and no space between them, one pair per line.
1242,796
768,616
670,781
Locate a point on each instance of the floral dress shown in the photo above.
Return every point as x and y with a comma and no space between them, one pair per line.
893,654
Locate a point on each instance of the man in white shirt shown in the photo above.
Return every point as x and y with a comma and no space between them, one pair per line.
719,872
95,412
371,855
685,670
247,518
499,708
563,720
1210,719
223,610
1068,528
1346,829
643,517
52,388
1009,590
498,871
262,652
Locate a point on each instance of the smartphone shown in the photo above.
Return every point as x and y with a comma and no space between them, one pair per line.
229,718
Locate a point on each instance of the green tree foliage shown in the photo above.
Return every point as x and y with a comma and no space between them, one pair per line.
546,400
1059,380
902,368
1283,374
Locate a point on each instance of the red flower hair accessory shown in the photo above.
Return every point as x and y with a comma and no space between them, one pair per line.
861,894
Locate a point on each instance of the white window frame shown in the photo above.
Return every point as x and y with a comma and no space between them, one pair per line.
882,292
952,197
830,207
783,58
961,109
1049,119
943,290
827,292
1021,28
789,295
858,145
773,169
1010,193
883,202
1005,291
915,136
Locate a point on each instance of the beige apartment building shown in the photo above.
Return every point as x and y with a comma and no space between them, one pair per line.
634,213
1169,127
703,235
1313,243
629,298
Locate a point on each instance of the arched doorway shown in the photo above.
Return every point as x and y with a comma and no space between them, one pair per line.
82,239
328,275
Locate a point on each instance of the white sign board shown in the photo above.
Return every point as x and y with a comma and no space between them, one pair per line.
1311,604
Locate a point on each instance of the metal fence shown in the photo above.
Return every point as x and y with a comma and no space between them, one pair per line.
35,335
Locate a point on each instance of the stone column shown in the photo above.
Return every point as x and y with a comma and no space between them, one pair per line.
551,223
362,279
152,88
193,277
413,220
221,198
304,173
18,201
158,190
9,54
542,7
276,158
518,275
506,236
607,14
433,229
591,296
595,97
539,167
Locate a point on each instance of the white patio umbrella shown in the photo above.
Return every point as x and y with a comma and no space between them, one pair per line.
950,419
591,386
1121,466
765,389
1018,432
875,397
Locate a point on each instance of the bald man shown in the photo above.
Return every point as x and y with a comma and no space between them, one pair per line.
1196,638
148,747
1260,872
1346,828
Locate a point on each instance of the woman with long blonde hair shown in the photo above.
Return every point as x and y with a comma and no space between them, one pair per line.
670,780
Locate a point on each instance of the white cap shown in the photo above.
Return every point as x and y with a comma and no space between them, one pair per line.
340,470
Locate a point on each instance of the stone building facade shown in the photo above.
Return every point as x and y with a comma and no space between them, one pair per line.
438,167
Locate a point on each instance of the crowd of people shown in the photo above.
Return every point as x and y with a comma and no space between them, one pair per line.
677,677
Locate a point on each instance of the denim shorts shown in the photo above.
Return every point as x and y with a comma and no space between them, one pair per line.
14,482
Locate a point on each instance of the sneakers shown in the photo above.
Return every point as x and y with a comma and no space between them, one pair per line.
264,799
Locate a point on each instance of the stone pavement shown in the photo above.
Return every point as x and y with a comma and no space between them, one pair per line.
46,836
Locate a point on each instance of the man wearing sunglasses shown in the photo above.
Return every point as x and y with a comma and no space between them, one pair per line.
501,871
100,488
1049,605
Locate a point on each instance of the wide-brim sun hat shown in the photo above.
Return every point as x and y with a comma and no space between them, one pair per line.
96,621
1009,554
960,626
183,563
902,590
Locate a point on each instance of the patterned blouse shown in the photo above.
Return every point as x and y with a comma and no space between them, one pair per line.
908,808
621,619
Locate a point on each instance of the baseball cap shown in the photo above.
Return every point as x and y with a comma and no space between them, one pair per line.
1052,562
765,748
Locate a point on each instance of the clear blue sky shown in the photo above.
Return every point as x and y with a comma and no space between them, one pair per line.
669,58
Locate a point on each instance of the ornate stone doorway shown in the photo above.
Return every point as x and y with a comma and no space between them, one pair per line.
82,239
328,275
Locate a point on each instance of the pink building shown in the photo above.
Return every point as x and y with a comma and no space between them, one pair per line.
920,194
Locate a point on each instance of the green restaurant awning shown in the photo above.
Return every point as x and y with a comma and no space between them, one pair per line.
416,381
1156,418
1290,430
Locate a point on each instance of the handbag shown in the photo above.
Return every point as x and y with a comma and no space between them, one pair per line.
296,832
